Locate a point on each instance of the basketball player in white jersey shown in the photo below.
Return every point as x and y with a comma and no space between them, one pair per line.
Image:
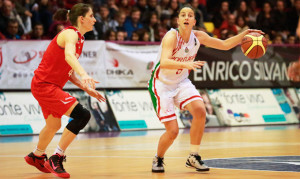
169,85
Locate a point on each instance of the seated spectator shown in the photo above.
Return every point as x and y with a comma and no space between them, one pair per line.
121,35
152,27
265,20
221,14
37,33
133,23
135,36
277,39
291,40
118,22
12,30
241,24
41,13
173,21
110,35
164,25
103,18
162,8
125,6
228,25
113,8
242,10
198,13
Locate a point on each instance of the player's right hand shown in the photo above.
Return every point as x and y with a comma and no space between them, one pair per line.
88,81
195,64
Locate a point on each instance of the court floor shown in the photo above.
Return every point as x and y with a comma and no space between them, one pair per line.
264,152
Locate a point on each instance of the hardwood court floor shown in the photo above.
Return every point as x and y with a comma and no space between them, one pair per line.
129,154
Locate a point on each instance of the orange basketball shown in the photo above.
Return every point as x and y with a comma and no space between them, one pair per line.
254,45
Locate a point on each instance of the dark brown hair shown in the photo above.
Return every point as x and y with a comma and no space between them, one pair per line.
186,6
77,10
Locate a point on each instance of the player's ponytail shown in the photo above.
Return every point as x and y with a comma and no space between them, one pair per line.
61,15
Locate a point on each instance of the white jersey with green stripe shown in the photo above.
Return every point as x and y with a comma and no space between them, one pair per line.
184,52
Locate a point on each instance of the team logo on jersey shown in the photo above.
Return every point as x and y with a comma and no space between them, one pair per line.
186,50
195,41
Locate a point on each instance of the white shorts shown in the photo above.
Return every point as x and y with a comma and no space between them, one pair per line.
166,97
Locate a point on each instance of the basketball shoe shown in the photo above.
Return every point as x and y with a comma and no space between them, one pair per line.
55,166
194,161
37,161
158,165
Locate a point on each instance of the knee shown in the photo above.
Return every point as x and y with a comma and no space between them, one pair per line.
173,133
199,114
80,117
53,127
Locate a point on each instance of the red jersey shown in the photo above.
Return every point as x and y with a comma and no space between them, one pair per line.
53,67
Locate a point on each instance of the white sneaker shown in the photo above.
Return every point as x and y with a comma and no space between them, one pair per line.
158,165
194,161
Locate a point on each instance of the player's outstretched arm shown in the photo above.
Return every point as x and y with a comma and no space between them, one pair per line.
227,44
69,38
168,44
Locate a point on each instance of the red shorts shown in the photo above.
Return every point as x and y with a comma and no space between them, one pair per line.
52,99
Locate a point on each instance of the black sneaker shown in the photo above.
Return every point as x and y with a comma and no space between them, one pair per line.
37,161
157,165
194,161
55,166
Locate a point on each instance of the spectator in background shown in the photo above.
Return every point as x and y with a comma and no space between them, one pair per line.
221,14
41,13
241,24
135,36
152,27
118,22
164,25
142,6
291,40
37,33
277,39
242,10
227,26
23,9
121,35
173,7
110,35
173,21
8,12
280,16
133,23
103,18
198,14
125,7
265,20
253,13
143,35
163,7
12,30
293,17
113,8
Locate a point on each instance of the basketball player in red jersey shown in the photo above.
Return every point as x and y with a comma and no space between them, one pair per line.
59,64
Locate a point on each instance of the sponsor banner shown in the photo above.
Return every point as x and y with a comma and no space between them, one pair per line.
20,113
102,117
250,107
21,59
211,117
129,66
229,69
134,110
293,100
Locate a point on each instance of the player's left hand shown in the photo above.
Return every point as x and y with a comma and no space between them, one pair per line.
94,93
255,30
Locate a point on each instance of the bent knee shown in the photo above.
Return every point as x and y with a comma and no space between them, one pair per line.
173,133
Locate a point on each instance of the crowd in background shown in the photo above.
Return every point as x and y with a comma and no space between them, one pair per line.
149,20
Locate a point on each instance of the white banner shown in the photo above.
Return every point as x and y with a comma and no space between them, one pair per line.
134,110
250,107
129,66
20,113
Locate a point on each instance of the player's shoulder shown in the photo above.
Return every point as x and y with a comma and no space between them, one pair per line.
170,36
69,34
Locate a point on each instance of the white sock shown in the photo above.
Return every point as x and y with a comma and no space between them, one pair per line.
194,149
60,151
38,152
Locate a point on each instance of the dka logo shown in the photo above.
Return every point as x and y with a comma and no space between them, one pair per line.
120,72
25,56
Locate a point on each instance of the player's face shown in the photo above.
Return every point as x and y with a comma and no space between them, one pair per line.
89,20
186,18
